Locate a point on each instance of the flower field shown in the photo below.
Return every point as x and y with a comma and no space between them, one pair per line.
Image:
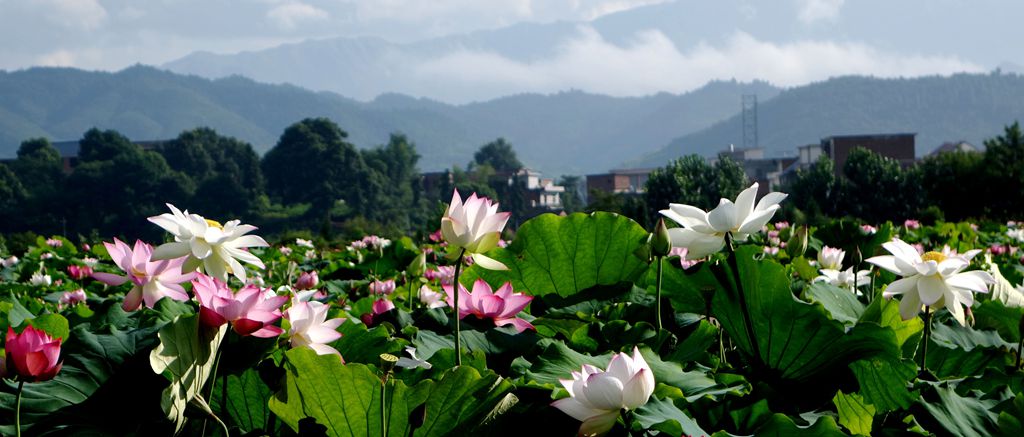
721,322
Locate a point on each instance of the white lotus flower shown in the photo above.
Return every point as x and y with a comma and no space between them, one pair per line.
474,226
831,258
304,243
40,279
845,278
217,248
8,262
596,397
703,233
932,279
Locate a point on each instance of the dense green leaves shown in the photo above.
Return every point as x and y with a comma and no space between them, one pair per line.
795,340
854,413
563,256
346,399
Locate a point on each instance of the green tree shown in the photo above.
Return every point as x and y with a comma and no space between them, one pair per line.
313,163
876,188
398,195
12,198
1004,173
813,190
117,185
498,154
953,182
691,180
40,168
226,171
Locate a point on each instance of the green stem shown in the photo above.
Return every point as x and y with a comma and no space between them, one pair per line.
383,407
657,304
223,426
455,309
733,265
1020,345
406,282
17,409
213,379
927,336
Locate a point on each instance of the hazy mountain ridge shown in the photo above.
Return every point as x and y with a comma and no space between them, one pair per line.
971,107
570,132
448,68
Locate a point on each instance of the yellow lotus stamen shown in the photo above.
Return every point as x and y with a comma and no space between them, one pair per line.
214,223
933,256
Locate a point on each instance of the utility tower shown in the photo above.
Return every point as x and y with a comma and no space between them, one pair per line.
750,121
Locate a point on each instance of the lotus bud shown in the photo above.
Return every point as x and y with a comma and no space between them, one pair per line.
418,266
797,244
661,242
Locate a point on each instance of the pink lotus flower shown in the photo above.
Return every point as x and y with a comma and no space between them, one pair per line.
912,224
868,229
32,355
310,327
781,225
53,242
501,306
997,249
71,298
435,236
251,311
380,307
79,272
431,298
153,280
285,250
307,281
444,274
474,226
681,253
382,288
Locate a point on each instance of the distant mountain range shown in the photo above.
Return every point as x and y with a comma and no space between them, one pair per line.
447,68
970,107
565,133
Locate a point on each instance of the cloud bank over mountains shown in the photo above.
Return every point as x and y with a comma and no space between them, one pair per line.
470,50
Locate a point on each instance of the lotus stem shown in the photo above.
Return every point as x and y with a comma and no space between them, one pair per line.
17,409
455,308
657,304
383,407
1020,344
213,380
733,265
926,338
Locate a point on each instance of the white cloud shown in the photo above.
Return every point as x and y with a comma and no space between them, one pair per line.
59,58
652,63
78,14
289,15
602,8
817,10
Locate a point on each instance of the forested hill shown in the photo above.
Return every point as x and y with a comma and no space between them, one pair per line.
564,133
969,107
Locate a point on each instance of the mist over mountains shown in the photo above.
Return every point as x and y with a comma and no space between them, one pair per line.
671,46
565,133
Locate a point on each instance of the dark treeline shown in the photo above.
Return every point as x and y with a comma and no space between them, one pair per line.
312,180
950,186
